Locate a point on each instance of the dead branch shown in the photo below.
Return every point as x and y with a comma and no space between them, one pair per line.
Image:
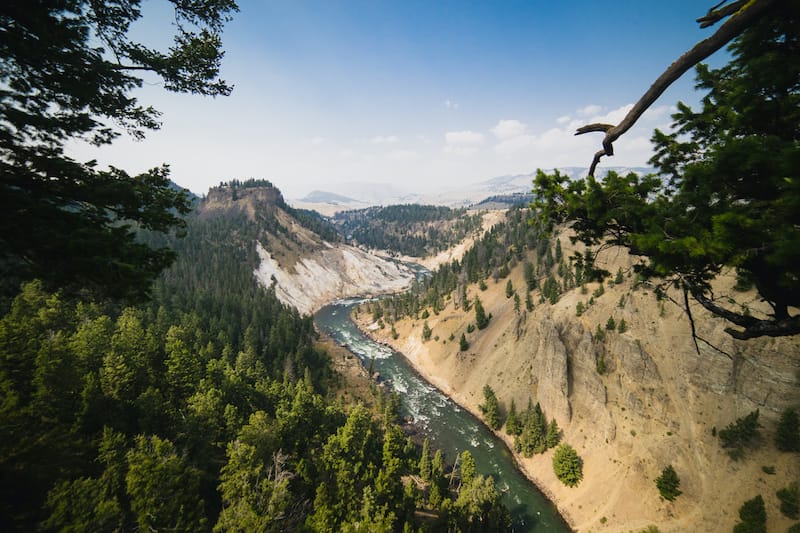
743,14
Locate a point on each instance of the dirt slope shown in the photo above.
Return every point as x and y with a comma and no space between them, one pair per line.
656,403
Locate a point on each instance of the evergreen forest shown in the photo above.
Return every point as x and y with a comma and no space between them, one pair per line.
211,406
409,229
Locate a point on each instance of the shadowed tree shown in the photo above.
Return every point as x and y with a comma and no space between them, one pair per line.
69,68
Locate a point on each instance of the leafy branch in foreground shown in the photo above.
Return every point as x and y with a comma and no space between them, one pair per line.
68,70
727,192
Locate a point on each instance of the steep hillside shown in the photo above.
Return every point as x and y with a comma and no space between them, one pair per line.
298,251
630,402
412,230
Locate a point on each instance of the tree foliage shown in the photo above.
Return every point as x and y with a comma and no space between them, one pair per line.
409,229
753,516
513,425
740,433
727,193
787,436
490,408
790,500
69,69
481,320
567,466
668,483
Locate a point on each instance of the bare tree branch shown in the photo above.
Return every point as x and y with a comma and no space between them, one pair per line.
753,327
743,14
714,14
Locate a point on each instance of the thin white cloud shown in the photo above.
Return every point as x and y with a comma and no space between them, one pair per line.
403,155
612,117
316,141
655,113
563,119
463,142
591,109
509,128
449,104
381,139
462,138
515,144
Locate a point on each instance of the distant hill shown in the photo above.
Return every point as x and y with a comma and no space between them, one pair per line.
355,195
325,197
504,201
408,229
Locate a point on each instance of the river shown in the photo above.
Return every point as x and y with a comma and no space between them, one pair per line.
449,427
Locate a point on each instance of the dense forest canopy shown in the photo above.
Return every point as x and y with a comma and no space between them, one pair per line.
210,407
727,192
409,229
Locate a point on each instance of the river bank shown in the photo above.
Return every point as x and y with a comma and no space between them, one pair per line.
449,428
470,404
656,401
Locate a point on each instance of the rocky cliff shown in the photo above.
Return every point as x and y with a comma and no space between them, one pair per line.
630,403
305,270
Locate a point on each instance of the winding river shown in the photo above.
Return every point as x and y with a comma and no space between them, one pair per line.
449,427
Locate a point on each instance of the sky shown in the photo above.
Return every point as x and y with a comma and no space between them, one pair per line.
420,95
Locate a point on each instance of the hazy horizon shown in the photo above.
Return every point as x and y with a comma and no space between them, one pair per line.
425,96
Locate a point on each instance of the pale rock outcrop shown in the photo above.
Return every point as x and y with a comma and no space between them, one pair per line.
335,272
550,372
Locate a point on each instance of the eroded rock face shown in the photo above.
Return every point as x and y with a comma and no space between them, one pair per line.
329,274
590,397
551,372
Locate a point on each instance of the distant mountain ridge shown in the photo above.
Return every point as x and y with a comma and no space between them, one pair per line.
358,195
327,197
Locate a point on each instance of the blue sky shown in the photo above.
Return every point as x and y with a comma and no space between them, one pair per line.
423,95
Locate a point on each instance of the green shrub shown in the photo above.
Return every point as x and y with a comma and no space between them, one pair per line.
753,517
790,500
787,437
739,434
668,483
463,344
426,331
567,466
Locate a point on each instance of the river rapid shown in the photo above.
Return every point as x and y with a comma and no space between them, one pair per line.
449,427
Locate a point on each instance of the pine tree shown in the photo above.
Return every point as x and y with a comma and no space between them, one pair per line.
528,302
553,436
513,426
509,289
463,345
787,436
426,331
668,483
490,408
481,320
567,465
425,461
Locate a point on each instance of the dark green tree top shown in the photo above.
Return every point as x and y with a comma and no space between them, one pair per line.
68,70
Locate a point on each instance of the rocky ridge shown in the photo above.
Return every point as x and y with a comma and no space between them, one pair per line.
306,271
